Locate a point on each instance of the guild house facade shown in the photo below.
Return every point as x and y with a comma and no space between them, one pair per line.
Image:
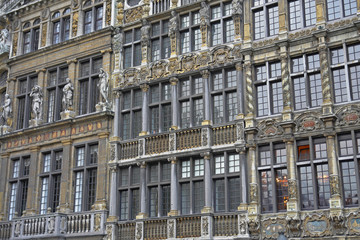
180,119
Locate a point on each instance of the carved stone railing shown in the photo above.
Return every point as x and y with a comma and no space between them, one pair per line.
126,231
157,144
129,150
226,225
224,135
187,227
188,139
5,230
59,225
159,6
155,229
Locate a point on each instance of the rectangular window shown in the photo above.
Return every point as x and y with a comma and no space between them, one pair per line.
132,48
222,25
337,9
160,108
302,13
160,41
131,114
265,26
24,100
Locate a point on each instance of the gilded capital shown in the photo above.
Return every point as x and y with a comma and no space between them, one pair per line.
172,160
174,81
205,73
68,62
144,87
206,155
239,66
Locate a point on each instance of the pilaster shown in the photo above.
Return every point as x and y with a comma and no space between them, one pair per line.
106,60
41,77
32,193
145,42
102,180
66,177
204,24
320,13
240,90
244,183
285,76
3,183
115,133
113,216
237,13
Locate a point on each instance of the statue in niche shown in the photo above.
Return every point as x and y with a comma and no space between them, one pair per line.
173,26
104,84
6,109
37,102
204,14
67,100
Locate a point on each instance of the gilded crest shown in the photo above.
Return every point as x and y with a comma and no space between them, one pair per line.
130,78
308,122
348,115
269,128
221,55
273,227
159,69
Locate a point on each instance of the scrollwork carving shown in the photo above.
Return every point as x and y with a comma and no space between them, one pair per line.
269,128
348,115
308,122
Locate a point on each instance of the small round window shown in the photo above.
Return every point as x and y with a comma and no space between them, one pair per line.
132,3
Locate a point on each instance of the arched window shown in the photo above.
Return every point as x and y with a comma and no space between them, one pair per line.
61,27
31,36
93,16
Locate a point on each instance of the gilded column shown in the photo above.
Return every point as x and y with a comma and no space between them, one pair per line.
33,183
145,109
204,24
101,191
207,183
249,93
174,102
207,98
286,114
3,183
145,41
237,12
174,187
240,89
66,176
142,214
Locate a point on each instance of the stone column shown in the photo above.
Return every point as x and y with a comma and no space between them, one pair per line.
240,89
208,208
101,180
327,105
116,131
142,214
207,98
247,22
5,162
174,211
285,76
293,216
174,102
113,202
145,109
282,6
66,176
335,200
33,183
243,175
249,93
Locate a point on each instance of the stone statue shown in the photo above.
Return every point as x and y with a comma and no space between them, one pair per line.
104,84
145,32
7,109
118,40
67,100
4,41
237,7
173,26
204,14
37,102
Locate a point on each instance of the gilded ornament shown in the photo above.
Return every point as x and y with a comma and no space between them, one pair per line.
75,24
348,115
253,192
308,122
174,65
133,14
158,69
14,44
205,226
269,128
334,185
203,59
317,225
188,63
221,55
292,186
108,12
272,227
43,34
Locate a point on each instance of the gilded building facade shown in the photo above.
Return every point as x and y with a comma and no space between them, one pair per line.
181,119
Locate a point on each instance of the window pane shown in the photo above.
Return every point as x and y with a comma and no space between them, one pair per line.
295,15
323,185
234,163
234,197
262,98
166,171
259,26
277,97
355,81
198,167
135,199
310,13
315,90
44,195
231,102
78,191
166,191
337,56
266,191
80,156
218,110
199,199
185,198
124,205
273,20
349,183
281,189
340,87
185,169
300,93
219,195
306,188
185,114
153,208
333,7
219,165
47,159
350,7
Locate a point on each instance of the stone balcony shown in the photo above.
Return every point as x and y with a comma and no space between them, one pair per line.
178,141
55,225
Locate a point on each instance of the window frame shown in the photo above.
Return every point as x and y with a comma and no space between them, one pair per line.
341,10
132,45
222,20
86,168
161,37
226,175
93,9
191,29
264,6
34,37
302,13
